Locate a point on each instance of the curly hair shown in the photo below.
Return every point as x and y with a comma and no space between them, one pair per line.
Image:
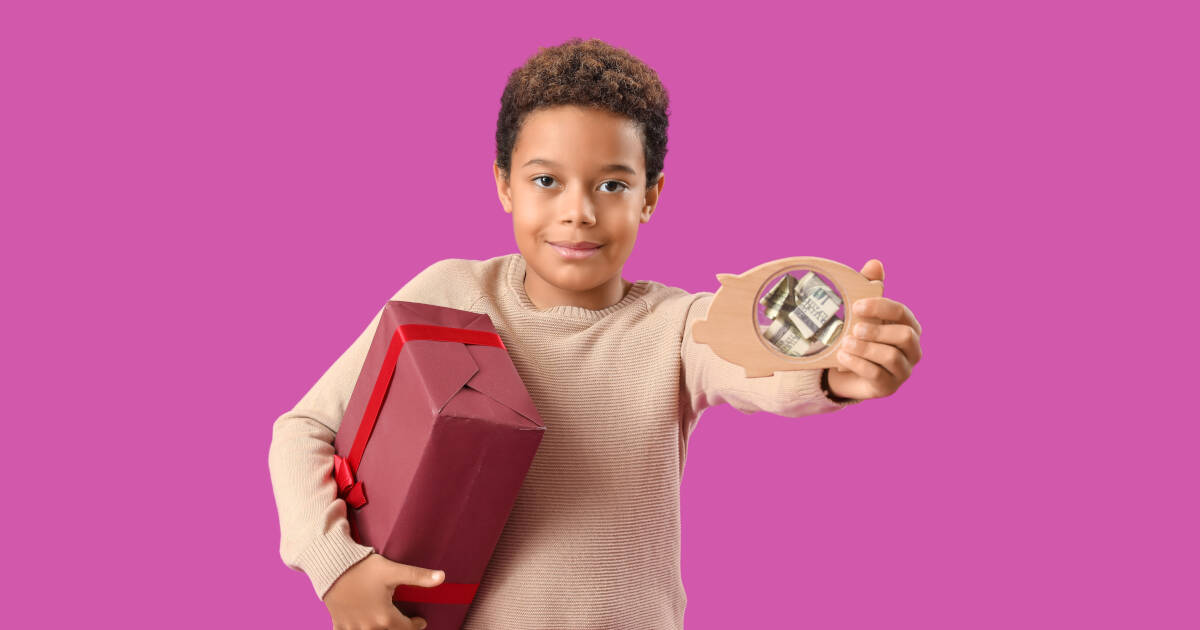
588,73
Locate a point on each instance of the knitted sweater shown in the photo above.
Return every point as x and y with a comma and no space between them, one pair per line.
593,539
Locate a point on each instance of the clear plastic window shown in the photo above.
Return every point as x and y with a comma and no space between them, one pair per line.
800,312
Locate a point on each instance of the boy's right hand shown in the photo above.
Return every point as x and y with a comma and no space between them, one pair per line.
362,596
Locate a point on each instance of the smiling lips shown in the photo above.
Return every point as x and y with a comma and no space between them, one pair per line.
575,250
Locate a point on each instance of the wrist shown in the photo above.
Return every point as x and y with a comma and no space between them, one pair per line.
829,392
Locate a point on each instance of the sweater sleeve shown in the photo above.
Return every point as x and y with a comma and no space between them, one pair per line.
709,380
314,533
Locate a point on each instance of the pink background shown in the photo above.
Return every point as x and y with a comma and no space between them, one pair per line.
204,203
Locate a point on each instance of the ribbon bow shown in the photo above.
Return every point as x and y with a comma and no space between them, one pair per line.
350,490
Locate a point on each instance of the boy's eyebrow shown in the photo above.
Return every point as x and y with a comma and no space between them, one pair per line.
610,167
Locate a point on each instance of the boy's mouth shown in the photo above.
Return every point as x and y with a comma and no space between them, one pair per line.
575,244
575,250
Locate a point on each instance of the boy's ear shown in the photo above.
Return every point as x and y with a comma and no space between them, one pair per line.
652,195
503,190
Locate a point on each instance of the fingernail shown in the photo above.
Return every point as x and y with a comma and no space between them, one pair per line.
860,307
860,330
437,575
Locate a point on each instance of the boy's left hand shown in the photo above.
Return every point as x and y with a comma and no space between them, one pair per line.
879,354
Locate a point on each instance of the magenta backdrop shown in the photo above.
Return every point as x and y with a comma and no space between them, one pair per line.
204,204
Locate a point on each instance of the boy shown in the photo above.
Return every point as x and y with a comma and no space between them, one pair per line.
594,535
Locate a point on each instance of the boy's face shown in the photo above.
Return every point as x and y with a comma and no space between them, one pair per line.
578,174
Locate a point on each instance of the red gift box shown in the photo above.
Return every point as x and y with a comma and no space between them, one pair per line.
435,443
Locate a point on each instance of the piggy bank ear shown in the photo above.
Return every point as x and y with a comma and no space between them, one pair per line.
722,277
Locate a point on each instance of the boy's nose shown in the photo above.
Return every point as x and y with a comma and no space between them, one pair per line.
578,208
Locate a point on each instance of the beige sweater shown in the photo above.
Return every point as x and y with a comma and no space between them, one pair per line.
593,539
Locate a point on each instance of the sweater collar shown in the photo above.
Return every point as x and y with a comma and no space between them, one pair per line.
516,283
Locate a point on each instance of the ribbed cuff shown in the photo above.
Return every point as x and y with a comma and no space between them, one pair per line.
328,557
799,394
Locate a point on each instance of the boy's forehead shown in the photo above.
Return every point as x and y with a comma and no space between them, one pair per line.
577,137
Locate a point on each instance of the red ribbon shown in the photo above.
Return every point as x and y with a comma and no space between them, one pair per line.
354,492
441,594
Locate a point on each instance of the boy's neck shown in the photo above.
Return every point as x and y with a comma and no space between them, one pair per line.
545,295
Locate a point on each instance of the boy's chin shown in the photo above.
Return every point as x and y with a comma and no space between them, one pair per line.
572,276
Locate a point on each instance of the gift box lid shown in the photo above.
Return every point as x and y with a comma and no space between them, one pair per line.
444,368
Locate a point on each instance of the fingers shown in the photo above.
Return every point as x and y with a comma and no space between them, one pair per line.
887,309
870,372
898,335
391,619
397,621
873,271
363,596
407,574
875,361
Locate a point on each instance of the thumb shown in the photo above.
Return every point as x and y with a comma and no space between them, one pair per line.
873,270
416,576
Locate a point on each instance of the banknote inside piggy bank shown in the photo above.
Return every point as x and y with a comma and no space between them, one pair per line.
787,314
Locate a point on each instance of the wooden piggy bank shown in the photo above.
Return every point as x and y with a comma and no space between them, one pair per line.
787,314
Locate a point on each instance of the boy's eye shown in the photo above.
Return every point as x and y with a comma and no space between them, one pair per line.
539,178
613,181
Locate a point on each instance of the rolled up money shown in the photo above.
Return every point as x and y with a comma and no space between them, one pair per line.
829,330
809,283
776,308
785,337
780,297
813,311
782,289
